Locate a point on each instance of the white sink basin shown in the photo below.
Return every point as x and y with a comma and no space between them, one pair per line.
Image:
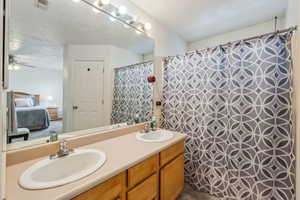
52,173
155,136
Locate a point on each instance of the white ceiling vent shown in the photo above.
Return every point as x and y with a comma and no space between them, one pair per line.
42,4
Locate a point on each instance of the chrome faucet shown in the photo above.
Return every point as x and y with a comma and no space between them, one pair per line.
63,150
53,137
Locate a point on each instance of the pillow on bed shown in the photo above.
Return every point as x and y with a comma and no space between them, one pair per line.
24,102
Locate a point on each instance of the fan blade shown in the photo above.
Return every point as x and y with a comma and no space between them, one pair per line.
26,65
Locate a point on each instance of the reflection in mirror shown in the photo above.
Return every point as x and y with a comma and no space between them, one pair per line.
72,67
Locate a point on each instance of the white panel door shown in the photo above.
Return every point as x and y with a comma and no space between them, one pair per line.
88,94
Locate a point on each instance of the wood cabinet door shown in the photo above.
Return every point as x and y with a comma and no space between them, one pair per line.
112,189
172,179
170,153
141,171
147,190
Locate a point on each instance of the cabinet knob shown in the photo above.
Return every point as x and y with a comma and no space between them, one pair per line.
75,107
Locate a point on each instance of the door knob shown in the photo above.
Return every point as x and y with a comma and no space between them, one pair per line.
75,107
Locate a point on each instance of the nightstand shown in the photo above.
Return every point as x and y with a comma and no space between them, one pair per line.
53,113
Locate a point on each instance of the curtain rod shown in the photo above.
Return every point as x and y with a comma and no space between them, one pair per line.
149,61
294,28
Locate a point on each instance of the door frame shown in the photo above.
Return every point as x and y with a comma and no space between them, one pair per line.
4,48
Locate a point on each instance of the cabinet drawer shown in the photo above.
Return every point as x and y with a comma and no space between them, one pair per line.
141,171
147,190
112,189
172,179
171,153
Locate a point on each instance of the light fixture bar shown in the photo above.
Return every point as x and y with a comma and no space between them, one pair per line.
116,17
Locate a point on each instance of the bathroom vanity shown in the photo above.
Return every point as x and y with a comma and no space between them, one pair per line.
134,170
159,177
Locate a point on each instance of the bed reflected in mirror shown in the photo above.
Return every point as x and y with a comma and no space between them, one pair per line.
76,74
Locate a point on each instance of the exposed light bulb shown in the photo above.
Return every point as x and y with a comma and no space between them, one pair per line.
76,1
105,2
50,98
113,13
148,26
10,67
96,3
16,67
122,10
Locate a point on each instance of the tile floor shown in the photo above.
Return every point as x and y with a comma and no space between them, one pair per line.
189,194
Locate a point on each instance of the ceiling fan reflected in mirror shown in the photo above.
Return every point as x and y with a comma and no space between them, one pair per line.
14,64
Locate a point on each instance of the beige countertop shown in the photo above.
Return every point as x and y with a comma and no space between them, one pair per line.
122,153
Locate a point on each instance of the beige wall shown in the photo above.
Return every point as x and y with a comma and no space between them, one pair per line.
158,86
292,13
239,34
292,19
296,59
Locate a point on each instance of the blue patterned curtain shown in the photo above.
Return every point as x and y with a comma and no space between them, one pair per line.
234,103
133,95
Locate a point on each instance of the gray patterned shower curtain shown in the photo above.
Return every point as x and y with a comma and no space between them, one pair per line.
234,103
132,93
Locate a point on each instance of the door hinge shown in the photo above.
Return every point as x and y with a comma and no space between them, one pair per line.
103,70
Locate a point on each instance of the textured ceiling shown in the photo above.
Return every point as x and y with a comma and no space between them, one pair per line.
38,36
197,19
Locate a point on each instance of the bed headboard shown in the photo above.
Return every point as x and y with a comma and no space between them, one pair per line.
35,97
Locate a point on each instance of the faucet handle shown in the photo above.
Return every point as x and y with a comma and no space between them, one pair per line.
63,150
62,144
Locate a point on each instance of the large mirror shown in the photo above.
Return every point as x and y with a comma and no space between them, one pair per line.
72,68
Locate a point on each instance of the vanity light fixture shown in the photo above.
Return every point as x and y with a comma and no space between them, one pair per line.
118,13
